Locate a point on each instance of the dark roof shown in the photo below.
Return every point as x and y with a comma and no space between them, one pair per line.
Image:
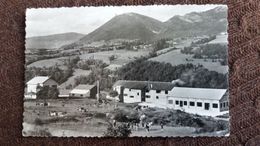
150,85
84,87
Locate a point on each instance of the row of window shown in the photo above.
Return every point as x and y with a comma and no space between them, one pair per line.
191,103
80,95
224,104
157,91
148,96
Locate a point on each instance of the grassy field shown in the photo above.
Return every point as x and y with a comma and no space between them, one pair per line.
74,122
175,57
122,57
76,73
94,121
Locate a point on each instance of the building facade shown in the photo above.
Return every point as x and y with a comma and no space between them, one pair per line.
202,101
33,86
84,91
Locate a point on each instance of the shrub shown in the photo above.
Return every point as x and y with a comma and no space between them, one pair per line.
38,121
118,131
113,93
41,133
100,115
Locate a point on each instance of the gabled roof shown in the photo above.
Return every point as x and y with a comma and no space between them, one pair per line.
149,85
198,93
84,87
38,80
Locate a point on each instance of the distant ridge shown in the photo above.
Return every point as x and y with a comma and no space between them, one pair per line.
52,41
133,26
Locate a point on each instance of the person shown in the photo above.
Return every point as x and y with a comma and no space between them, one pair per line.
147,127
162,124
114,123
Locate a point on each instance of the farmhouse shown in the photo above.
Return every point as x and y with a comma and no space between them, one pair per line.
32,86
143,91
83,91
202,101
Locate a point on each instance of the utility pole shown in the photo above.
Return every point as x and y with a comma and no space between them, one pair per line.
98,91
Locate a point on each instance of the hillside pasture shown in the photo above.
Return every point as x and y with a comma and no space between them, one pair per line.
175,57
122,57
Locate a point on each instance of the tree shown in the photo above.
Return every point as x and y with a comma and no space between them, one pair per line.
161,44
113,93
112,57
47,92
121,130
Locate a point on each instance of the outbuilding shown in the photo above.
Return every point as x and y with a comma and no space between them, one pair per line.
84,91
34,85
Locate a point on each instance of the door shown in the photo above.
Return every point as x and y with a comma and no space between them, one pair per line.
206,106
181,103
142,95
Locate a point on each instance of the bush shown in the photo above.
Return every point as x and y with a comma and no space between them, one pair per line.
118,131
121,117
113,93
41,133
100,115
47,92
38,121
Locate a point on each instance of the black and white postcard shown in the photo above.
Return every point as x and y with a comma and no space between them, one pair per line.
126,71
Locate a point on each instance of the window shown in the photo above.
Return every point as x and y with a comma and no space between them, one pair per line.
224,104
206,106
170,101
166,92
137,93
147,96
192,103
157,97
125,94
158,91
146,90
81,95
215,105
227,104
181,103
199,104
131,96
185,102
73,94
221,105
176,102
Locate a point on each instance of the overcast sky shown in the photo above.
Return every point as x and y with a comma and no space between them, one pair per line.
46,21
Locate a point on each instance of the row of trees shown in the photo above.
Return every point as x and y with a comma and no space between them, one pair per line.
192,75
54,72
208,51
91,63
204,40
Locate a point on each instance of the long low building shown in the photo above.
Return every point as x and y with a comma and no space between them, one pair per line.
84,91
202,101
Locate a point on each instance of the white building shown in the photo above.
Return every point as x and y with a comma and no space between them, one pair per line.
202,101
83,91
32,86
143,91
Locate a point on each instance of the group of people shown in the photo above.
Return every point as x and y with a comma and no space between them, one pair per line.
143,123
